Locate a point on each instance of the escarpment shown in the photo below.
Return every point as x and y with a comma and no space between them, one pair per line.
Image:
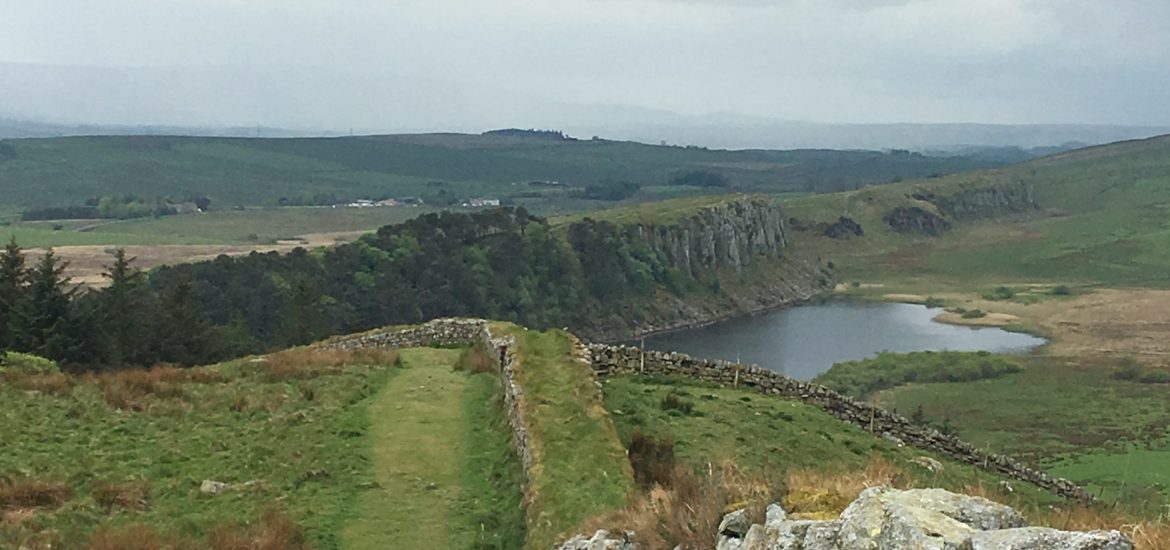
730,234
726,259
931,213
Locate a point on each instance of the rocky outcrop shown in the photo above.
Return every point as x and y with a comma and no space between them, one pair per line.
601,540
987,201
882,518
932,214
730,234
915,219
919,519
842,229
735,256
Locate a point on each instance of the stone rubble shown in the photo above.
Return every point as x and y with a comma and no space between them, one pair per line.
889,519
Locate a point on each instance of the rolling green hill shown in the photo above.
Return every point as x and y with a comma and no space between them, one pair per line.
236,171
1096,215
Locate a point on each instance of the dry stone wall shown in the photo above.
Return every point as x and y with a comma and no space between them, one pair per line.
618,360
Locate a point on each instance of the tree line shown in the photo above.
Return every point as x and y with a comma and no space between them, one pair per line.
501,263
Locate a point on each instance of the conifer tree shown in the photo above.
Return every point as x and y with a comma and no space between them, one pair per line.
12,278
43,323
125,337
184,332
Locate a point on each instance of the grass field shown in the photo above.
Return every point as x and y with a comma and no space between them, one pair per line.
263,225
38,236
255,172
582,468
658,212
167,431
771,438
305,437
1070,415
245,227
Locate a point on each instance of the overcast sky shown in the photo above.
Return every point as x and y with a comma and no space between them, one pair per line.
995,61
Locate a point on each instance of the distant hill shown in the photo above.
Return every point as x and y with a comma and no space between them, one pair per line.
311,101
441,168
1093,215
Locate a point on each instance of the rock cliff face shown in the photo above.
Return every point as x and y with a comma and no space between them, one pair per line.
932,214
737,253
988,202
731,234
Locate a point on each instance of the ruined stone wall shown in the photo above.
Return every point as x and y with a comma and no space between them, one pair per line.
617,360
608,360
459,332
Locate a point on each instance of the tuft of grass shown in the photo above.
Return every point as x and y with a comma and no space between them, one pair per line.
974,314
306,362
652,459
274,530
820,493
33,493
475,360
684,508
674,401
49,384
127,496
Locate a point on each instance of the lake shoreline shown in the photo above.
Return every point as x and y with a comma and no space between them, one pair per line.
806,340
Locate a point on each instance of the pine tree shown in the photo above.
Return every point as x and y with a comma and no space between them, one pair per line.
12,277
43,323
125,337
184,332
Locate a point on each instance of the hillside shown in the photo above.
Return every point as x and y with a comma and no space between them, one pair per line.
425,436
440,167
1071,247
1091,216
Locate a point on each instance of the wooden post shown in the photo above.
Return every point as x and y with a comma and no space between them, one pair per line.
872,416
642,367
735,384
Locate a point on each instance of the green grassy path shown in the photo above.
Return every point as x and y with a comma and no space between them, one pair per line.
441,461
418,441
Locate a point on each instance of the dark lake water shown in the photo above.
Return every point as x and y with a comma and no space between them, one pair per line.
805,341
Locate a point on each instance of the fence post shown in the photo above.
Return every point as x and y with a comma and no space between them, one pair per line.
642,366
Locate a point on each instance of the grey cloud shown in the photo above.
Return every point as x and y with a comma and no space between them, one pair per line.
387,65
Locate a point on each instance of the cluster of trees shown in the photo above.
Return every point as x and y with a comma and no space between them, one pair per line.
530,133
608,190
700,178
124,324
115,208
500,263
